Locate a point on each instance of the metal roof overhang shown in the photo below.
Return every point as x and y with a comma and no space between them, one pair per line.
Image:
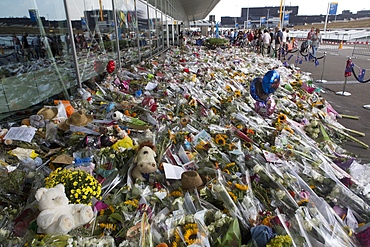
198,9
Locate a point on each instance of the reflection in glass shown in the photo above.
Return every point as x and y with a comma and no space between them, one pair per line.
127,30
35,60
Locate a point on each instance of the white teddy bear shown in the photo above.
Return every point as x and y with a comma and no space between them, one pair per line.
145,161
57,216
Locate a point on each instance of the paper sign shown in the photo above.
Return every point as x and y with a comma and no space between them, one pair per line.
25,134
172,172
271,157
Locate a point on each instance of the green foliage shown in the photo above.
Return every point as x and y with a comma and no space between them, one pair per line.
215,42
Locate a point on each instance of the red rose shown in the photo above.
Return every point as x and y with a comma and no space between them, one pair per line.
111,66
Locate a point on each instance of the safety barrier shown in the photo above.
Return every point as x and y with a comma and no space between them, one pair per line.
350,70
361,47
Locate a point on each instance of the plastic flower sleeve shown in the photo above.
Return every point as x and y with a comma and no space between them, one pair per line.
349,199
221,192
333,235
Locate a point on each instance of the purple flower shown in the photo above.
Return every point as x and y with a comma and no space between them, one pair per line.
99,205
340,211
304,194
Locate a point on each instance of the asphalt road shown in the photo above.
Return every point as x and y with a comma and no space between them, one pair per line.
331,70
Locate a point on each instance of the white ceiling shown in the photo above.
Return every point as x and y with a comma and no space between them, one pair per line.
198,9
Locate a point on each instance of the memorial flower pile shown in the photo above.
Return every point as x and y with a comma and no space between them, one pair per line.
269,174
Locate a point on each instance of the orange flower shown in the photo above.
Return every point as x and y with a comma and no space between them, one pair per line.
162,245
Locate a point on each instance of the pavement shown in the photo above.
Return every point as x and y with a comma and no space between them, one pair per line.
329,76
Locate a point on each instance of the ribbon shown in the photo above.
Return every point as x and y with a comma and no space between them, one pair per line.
348,70
361,75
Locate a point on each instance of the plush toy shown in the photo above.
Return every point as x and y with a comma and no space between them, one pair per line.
145,161
124,142
37,121
117,115
2,135
56,215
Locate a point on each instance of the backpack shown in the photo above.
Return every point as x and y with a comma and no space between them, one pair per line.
304,46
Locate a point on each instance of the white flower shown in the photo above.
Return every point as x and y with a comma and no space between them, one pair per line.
280,194
211,228
257,168
4,232
218,215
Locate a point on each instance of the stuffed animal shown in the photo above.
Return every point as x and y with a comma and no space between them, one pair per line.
125,141
145,161
37,121
57,216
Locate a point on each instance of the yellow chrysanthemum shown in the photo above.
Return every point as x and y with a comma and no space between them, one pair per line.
241,186
267,221
176,193
80,186
233,196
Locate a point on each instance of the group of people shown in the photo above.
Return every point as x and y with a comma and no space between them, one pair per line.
267,42
36,48
270,42
314,40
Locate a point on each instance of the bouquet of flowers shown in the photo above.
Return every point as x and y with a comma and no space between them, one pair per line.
80,187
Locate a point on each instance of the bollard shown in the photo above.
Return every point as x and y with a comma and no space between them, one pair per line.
347,73
322,72
341,45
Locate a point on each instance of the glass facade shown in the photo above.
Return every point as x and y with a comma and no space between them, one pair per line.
44,56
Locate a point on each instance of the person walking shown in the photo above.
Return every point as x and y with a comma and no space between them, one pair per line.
315,41
309,35
36,44
284,43
266,40
26,46
278,42
17,44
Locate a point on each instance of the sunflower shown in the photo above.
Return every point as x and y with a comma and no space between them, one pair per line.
248,145
220,140
232,146
228,88
237,93
215,111
281,118
299,104
191,235
184,121
193,102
